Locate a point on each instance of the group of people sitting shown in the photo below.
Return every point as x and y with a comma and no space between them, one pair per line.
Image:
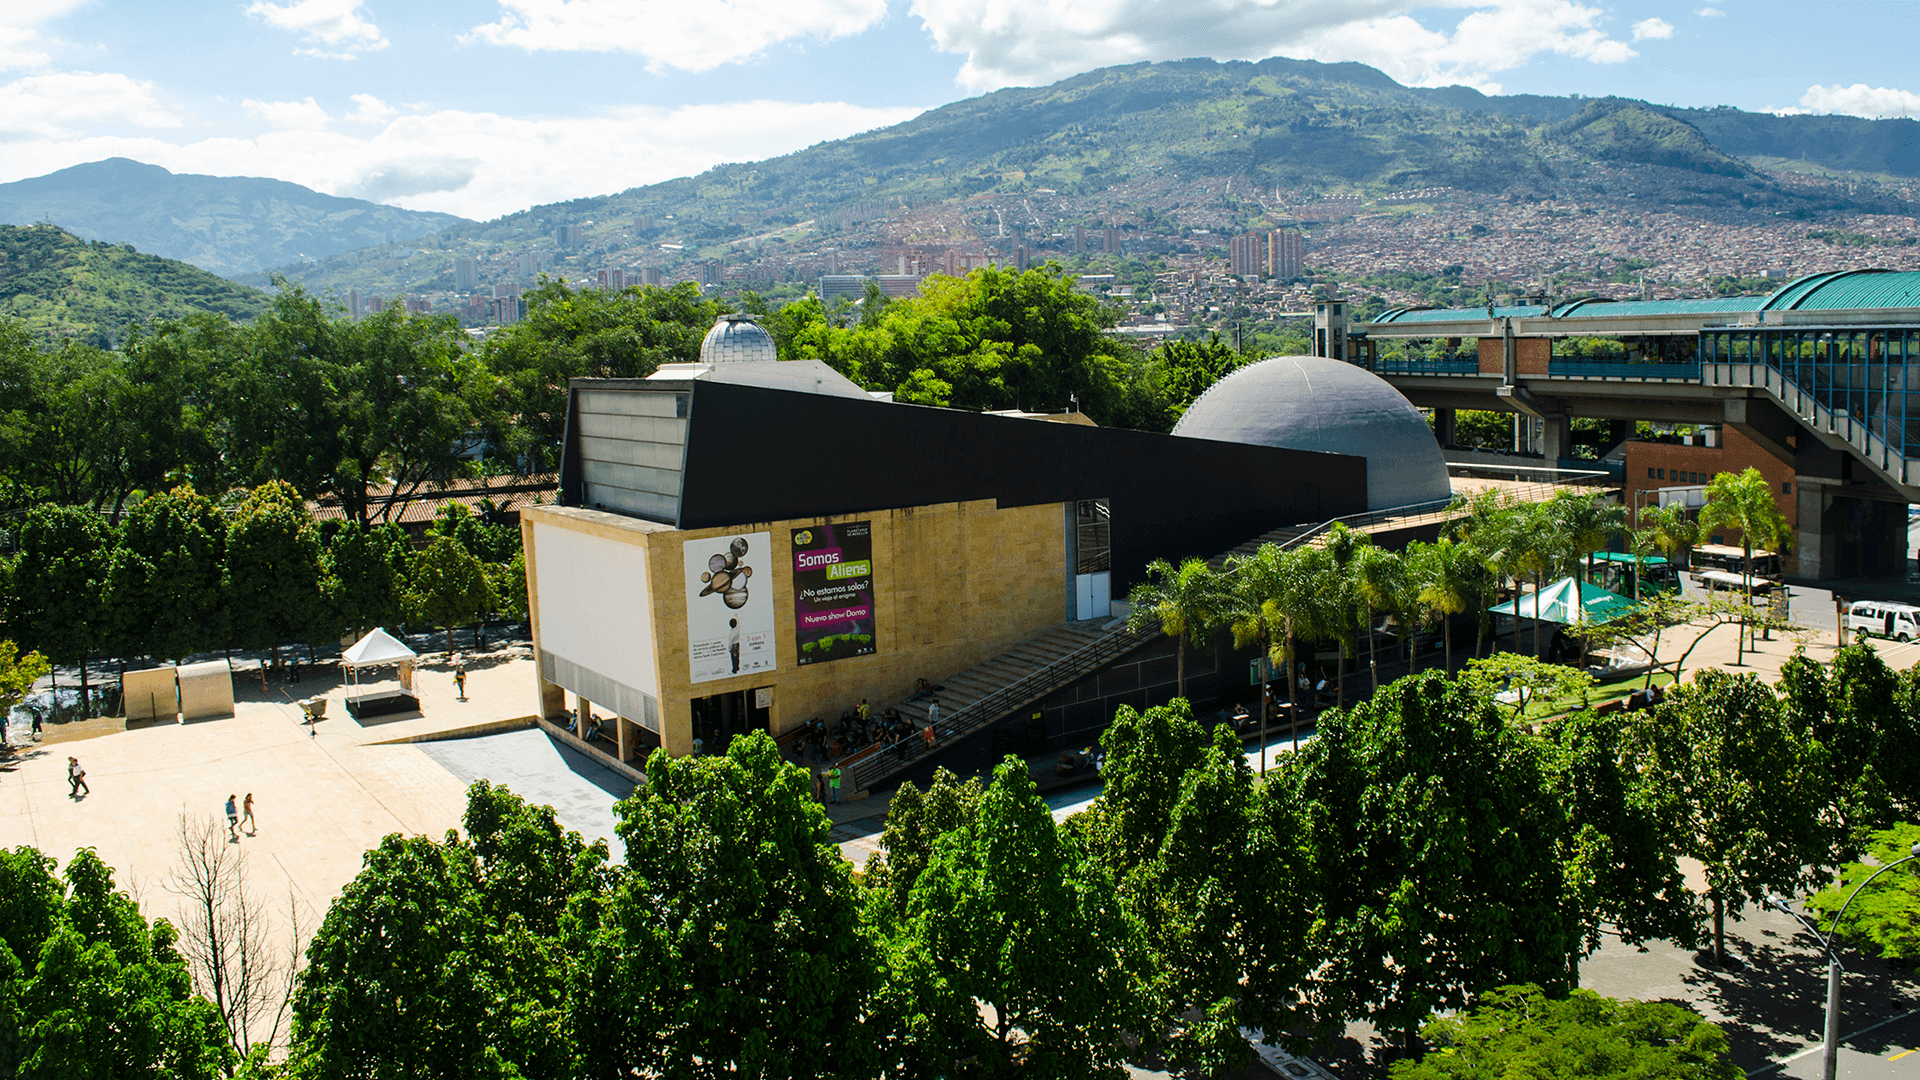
858,728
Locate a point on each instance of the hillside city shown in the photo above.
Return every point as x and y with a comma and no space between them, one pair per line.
1159,248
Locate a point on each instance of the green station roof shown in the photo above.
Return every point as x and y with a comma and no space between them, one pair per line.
1844,290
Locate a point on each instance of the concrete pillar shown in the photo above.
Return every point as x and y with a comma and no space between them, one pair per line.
623,738
1815,545
1443,421
1556,439
553,699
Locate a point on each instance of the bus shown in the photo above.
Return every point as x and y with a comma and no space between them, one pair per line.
1766,564
1614,572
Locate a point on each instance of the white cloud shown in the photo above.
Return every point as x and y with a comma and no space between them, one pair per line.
482,165
1710,13
673,33
19,20
338,23
1008,43
371,111
42,105
1873,102
1652,28
289,115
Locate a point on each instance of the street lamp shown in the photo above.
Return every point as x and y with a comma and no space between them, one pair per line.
1831,1049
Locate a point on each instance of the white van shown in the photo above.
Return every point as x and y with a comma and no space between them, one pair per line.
1884,618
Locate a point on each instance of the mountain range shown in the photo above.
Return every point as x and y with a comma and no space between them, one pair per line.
1167,151
227,224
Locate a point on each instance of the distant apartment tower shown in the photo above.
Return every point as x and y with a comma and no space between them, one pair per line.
612,280
1020,257
477,306
1112,238
570,236
531,263
511,288
650,275
833,261
375,304
1246,255
420,305
506,310
353,304
1286,254
466,271
1079,239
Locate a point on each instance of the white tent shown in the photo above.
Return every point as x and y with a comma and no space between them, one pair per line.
378,647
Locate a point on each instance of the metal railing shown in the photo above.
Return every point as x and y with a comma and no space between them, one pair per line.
1588,369
967,719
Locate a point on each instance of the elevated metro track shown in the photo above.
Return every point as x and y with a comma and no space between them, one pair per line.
1823,373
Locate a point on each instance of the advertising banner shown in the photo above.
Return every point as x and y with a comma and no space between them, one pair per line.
833,591
729,612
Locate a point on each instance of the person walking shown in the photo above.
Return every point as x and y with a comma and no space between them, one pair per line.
36,725
76,778
933,717
233,819
246,816
833,784
460,681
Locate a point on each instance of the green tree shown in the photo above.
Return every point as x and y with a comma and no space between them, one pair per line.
1863,714
88,988
1448,574
1742,790
1494,535
447,586
1179,602
914,822
338,407
1436,841
1275,600
18,673
1745,501
1887,912
1533,682
1225,910
1189,368
274,571
1145,751
59,577
366,570
164,582
1377,576
733,943
1577,1035
1011,930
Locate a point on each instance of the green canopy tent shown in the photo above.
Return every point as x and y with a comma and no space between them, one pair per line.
1566,602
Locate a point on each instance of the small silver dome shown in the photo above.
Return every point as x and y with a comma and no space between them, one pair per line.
1315,403
736,338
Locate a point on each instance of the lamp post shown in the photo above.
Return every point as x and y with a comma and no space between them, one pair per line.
1830,1050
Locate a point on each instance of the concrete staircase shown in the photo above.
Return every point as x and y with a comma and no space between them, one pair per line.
990,691
1815,409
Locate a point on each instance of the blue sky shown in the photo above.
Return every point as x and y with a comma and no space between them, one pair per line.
482,107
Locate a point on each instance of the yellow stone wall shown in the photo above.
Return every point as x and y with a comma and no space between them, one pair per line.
954,584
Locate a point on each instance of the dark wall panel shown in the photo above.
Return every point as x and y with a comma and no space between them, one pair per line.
756,454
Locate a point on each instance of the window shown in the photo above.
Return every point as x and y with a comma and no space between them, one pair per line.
1786,487
1649,472
1663,474
1093,522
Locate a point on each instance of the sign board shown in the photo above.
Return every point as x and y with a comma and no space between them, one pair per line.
729,611
833,605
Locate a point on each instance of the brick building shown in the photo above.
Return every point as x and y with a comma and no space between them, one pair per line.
1655,466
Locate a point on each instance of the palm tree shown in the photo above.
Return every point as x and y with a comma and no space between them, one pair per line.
1671,530
1589,520
1446,570
1178,602
1376,574
1342,546
1489,532
1745,501
1274,600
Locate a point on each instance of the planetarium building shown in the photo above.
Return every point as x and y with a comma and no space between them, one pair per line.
744,543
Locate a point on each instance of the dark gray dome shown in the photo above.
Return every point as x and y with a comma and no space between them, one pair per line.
1314,403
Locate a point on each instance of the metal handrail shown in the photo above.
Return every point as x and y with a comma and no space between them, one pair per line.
974,715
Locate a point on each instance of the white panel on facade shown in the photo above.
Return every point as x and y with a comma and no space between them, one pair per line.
596,610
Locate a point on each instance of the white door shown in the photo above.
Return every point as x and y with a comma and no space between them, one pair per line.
1093,595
